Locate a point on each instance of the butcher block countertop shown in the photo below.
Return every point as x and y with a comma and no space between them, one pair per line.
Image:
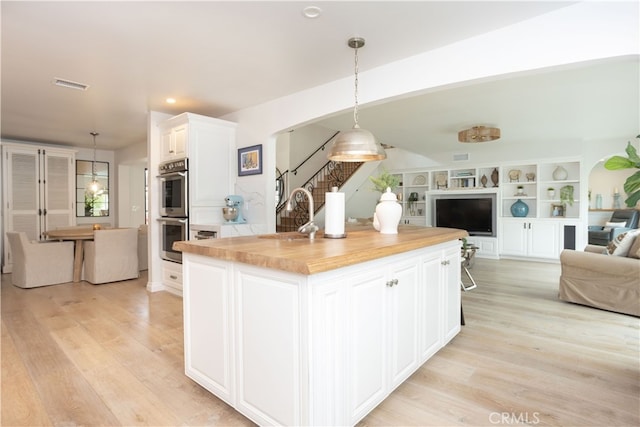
295,253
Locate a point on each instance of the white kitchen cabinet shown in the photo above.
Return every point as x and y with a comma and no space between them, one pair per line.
38,191
523,237
174,142
208,324
172,277
321,349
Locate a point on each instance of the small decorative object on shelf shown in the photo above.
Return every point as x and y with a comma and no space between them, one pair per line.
483,181
598,201
494,177
551,192
531,176
566,195
413,198
441,181
514,175
616,199
560,173
519,209
557,210
520,191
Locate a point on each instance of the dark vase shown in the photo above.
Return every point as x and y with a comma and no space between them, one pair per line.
519,209
494,177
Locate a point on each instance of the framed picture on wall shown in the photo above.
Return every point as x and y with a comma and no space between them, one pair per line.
250,160
557,210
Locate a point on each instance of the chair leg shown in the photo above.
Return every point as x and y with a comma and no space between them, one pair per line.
473,282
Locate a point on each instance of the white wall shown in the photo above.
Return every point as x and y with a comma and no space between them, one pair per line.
131,163
581,32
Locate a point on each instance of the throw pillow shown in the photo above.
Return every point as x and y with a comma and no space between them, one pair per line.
634,252
616,224
622,243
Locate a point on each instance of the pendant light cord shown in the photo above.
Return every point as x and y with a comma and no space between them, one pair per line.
355,109
93,166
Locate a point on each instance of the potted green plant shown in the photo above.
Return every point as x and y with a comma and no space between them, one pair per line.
632,184
89,202
566,195
384,180
551,192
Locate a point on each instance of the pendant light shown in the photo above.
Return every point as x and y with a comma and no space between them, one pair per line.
356,144
94,186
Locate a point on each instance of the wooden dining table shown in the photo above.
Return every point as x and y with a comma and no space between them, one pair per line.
78,235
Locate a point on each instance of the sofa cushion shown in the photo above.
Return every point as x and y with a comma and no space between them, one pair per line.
622,243
615,224
634,251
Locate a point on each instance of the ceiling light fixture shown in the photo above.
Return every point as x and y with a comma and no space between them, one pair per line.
479,134
69,84
170,100
356,144
312,12
94,188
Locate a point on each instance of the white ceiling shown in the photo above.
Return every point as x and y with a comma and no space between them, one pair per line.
220,57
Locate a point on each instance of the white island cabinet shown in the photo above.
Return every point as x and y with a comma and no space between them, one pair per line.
285,348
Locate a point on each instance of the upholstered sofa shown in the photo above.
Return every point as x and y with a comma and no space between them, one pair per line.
609,282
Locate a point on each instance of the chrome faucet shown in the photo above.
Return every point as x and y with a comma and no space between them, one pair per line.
308,228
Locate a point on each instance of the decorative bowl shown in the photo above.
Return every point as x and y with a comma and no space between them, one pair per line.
230,213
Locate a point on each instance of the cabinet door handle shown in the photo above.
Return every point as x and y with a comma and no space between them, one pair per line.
524,225
395,281
173,277
447,262
529,226
389,283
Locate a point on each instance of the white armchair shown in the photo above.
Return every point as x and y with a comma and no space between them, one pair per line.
39,264
111,256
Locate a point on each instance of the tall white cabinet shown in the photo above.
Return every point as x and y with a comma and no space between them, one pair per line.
209,144
38,191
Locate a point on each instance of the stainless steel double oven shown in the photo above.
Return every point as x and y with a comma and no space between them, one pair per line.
174,207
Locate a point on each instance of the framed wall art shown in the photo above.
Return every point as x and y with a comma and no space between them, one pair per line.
250,160
557,210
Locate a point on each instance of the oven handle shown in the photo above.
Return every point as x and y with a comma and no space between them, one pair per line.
174,220
172,174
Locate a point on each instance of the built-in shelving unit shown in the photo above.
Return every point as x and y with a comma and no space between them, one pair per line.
554,221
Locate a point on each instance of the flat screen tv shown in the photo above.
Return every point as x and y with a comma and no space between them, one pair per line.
475,214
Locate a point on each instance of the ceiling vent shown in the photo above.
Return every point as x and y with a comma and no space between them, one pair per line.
69,84
461,157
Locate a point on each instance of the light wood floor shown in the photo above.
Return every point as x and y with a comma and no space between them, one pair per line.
78,354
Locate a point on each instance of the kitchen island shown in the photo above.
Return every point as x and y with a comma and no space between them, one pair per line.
292,331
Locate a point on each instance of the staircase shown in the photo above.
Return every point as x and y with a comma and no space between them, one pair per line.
332,174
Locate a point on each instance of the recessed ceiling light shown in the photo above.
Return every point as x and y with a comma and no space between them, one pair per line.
312,12
171,100
69,84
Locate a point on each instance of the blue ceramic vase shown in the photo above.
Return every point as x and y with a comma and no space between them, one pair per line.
519,209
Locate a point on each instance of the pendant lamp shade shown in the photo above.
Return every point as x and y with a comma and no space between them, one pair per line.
356,144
